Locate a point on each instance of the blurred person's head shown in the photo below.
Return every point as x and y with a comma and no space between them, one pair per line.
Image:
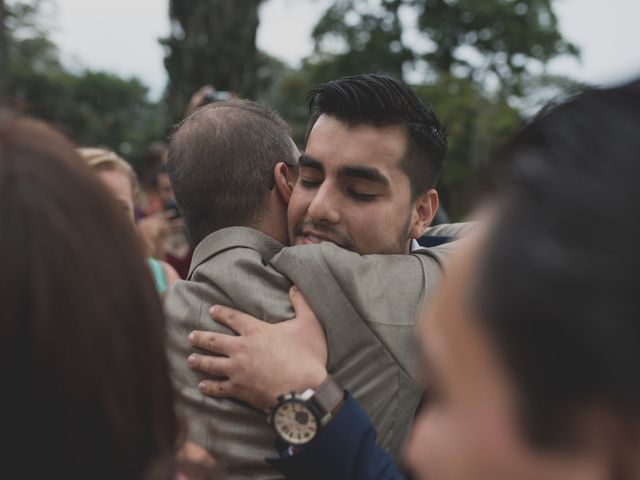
152,162
88,393
373,155
154,155
228,167
533,347
163,186
116,173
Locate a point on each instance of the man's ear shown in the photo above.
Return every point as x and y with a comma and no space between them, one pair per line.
285,180
424,209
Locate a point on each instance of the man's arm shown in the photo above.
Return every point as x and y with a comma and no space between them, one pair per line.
379,295
283,357
264,360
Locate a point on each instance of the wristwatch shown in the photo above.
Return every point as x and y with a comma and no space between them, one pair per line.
297,419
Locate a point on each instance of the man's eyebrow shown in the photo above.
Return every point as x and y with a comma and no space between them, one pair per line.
307,161
367,173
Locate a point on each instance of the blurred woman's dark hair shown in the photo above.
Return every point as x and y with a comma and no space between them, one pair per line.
560,289
87,392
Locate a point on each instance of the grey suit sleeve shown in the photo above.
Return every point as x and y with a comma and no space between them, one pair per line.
386,291
456,230
369,306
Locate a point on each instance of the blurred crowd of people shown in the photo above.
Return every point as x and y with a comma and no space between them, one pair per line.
244,307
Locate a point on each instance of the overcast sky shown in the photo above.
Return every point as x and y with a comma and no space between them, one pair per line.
121,36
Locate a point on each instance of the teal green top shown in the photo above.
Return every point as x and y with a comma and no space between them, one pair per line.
159,275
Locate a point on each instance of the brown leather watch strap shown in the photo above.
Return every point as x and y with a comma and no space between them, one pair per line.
329,396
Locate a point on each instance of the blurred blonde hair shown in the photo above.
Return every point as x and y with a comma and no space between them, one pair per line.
101,159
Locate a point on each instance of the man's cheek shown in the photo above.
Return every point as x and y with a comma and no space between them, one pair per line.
301,197
295,210
364,227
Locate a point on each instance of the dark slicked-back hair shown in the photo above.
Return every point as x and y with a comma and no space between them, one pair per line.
221,161
379,100
560,288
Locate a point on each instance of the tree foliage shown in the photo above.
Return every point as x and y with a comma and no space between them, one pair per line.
4,52
477,124
490,39
93,108
347,34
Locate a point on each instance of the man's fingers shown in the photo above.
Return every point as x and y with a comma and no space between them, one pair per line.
300,305
236,320
218,389
213,342
212,365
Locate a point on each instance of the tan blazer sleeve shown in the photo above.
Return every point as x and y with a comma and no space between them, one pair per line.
457,230
387,292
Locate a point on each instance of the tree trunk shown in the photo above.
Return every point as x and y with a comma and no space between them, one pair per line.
212,42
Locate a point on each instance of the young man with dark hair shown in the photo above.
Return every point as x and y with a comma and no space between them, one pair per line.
373,155
238,156
380,101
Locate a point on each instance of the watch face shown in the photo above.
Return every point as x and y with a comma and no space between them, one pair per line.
295,423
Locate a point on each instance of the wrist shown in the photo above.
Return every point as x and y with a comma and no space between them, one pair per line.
314,380
311,380
298,418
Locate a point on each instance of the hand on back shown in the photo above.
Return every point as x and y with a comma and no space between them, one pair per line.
264,360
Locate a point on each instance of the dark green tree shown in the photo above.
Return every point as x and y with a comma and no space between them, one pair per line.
477,124
490,40
283,89
355,37
4,53
211,42
93,108
22,34
493,42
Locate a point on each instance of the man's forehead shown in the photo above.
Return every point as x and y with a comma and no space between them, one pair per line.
334,141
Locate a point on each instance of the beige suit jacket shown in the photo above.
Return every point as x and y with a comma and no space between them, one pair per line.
368,306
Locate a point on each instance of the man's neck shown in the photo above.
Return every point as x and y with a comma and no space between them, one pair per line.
273,228
273,221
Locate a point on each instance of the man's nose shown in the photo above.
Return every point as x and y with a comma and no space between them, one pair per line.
325,205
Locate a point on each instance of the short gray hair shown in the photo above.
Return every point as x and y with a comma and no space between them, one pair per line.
221,160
